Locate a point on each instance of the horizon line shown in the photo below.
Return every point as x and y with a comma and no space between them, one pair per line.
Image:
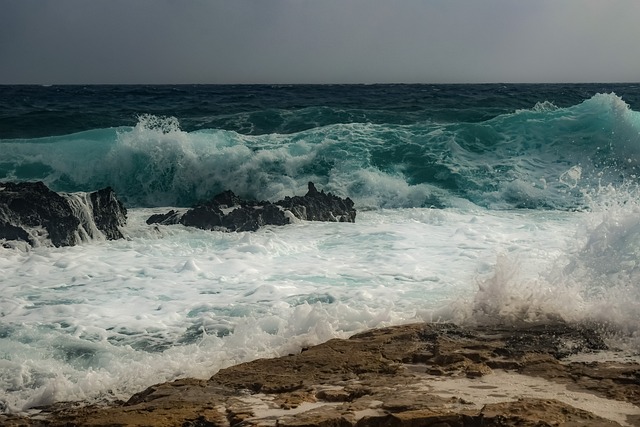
323,84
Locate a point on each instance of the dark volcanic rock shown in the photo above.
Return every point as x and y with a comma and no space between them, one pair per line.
28,205
206,216
250,218
227,199
242,216
171,217
108,213
318,206
12,232
31,212
226,211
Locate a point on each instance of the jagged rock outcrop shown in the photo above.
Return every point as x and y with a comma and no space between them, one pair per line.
34,209
412,375
32,213
109,214
319,206
244,216
228,212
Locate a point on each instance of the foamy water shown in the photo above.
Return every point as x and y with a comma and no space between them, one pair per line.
539,221
107,319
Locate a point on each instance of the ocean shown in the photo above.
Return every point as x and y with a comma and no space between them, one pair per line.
476,204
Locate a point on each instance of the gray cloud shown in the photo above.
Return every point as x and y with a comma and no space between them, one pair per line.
318,41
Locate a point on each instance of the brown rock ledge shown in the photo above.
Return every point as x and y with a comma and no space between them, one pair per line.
412,375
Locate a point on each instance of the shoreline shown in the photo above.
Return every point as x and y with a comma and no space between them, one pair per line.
415,374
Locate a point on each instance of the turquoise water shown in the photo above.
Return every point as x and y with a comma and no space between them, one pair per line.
476,203
518,146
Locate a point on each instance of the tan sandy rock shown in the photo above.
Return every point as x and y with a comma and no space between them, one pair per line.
412,375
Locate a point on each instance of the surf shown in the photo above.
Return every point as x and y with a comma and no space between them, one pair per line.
544,157
493,204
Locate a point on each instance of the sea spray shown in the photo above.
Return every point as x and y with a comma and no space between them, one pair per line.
594,279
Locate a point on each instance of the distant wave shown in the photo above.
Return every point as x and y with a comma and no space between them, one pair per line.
543,157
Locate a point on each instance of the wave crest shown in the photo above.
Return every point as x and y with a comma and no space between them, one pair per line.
542,158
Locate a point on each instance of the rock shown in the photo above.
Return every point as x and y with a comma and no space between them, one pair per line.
171,217
31,212
206,216
210,216
318,206
228,212
30,206
251,218
379,378
108,213
11,232
227,199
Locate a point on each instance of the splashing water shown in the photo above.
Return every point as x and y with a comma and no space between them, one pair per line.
486,204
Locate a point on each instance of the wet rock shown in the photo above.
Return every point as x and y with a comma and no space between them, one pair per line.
214,215
11,232
228,212
251,218
36,210
206,216
318,206
171,217
109,214
31,212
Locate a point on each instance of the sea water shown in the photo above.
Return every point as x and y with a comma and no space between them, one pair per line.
476,204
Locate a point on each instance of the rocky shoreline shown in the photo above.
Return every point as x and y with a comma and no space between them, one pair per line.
411,375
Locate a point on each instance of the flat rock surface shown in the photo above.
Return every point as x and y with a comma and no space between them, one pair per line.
412,375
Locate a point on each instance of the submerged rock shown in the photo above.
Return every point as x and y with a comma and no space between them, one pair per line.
31,212
228,212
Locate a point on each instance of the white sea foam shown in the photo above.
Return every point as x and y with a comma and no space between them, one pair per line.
106,319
